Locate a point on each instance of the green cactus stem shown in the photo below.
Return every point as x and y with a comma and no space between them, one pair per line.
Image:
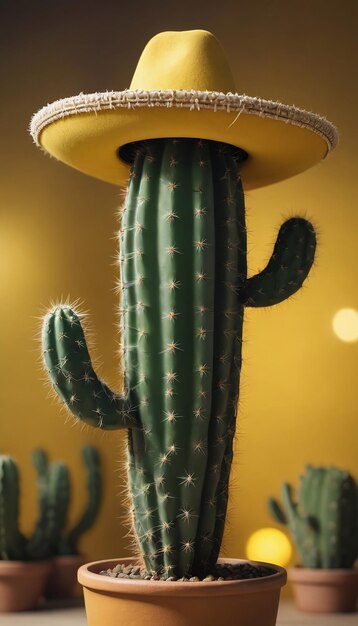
39,545
53,481
51,531
68,541
12,541
50,536
184,289
324,520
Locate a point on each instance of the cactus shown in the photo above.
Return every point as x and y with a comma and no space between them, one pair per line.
53,481
184,287
324,520
13,544
12,541
56,495
49,537
68,539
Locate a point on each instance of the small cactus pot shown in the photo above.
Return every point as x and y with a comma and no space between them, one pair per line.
62,581
22,584
112,601
325,590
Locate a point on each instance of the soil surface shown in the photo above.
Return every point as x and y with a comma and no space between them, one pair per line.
222,571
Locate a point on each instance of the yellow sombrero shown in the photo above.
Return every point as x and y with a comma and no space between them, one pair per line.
182,87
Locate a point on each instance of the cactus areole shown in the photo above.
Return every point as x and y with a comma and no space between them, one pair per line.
184,287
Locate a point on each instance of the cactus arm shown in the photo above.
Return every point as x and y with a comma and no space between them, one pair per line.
304,533
40,462
354,526
12,542
53,513
277,511
338,515
91,461
330,518
309,494
69,366
37,546
59,486
287,268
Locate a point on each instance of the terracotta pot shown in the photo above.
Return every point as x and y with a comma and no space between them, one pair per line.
21,584
62,581
112,601
325,590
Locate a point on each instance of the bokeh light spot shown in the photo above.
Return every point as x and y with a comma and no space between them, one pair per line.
270,545
345,324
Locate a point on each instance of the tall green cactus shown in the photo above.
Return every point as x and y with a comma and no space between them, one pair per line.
184,288
324,520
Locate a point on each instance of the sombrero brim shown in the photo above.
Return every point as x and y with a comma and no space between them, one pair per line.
87,131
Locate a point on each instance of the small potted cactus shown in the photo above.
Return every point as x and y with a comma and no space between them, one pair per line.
323,523
66,557
182,141
46,562
24,561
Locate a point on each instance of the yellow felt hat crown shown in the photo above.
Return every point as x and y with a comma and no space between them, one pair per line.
182,87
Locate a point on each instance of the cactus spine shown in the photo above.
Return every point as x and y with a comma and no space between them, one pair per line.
324,520
184,289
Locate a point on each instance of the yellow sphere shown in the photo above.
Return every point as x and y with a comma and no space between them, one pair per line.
270,545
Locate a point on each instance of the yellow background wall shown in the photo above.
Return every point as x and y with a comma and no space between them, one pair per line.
299,394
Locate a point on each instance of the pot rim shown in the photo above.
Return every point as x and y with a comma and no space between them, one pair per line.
299,573
70,558
11,568
89,577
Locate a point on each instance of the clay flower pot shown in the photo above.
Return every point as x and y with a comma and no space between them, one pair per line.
21,584
325,590
112,601
62,580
